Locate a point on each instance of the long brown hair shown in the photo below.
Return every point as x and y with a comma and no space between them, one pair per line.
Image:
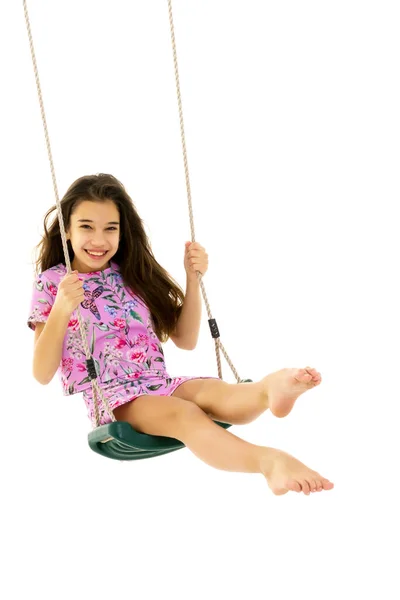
138,267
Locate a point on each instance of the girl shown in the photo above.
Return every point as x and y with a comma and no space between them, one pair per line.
130,305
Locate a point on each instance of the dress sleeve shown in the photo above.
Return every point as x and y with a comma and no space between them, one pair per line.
44,294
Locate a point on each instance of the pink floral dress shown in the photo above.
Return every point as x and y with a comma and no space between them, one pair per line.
118,325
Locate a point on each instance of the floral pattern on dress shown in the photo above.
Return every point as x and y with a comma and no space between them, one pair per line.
127,353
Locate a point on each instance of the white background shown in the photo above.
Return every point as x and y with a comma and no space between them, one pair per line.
292,121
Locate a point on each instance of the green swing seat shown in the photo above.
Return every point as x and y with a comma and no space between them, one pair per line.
120,441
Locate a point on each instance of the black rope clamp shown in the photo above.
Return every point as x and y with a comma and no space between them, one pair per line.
91,368
213,328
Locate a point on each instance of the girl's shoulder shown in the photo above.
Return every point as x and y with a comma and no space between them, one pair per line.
54,274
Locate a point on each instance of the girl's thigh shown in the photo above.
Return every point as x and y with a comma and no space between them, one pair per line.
158,415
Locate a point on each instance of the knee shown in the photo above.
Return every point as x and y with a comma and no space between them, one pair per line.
210,394
183,418
184,411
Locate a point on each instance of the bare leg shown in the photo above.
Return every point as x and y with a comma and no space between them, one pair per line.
243,402
174,417
238,403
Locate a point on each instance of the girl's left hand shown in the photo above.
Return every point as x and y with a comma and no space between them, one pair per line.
196,259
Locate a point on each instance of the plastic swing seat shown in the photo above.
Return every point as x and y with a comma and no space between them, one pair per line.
120,441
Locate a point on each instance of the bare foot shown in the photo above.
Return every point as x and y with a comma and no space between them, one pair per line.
285,386
285,473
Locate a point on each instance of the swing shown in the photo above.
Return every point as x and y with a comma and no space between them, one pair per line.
119,440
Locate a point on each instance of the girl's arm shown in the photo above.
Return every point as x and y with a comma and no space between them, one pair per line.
187,328
49,338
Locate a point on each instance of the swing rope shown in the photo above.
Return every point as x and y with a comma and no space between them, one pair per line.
98,394
214,330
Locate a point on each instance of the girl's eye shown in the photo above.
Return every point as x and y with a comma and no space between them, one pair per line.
109,228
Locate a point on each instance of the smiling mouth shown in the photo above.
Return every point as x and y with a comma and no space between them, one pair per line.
96,254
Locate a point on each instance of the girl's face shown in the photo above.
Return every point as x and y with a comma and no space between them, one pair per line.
94,233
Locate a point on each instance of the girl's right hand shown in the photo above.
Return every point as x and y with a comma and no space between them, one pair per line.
70,293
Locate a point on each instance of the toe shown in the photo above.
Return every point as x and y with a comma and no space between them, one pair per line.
294,485
303,376
315,375
305,487
313,485
319,481
326,484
